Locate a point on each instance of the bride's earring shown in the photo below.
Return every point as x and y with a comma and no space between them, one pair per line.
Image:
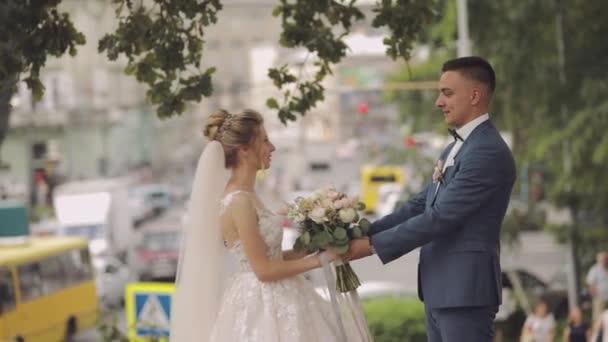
262,172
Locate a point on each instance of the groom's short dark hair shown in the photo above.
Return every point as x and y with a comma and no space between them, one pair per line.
473,68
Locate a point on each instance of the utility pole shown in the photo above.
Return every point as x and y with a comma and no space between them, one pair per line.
573,284
464,42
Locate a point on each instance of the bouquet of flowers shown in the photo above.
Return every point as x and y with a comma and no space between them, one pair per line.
329,219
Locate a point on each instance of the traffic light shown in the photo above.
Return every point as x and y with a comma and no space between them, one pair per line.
410,142
363,108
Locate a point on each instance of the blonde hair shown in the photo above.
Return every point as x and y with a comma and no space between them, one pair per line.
233,131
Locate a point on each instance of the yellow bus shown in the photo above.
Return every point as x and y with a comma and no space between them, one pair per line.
47,290
372,177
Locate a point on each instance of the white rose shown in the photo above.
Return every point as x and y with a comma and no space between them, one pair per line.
327,203
317,214
305,204
316,195
332,194
338,204
347,215
300,218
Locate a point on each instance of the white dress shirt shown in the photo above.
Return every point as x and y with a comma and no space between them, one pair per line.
464,133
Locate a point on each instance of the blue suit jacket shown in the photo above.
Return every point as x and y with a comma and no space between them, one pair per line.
458,227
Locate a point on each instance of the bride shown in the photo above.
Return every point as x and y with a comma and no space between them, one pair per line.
266,299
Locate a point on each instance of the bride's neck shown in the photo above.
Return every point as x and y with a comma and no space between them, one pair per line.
243,178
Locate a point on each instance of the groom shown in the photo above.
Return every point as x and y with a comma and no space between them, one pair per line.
456,219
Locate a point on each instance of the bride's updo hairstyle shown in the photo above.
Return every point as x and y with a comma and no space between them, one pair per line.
233,131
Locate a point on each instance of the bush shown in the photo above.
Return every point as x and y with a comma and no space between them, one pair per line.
393,319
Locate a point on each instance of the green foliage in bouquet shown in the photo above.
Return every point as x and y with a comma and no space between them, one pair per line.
316,237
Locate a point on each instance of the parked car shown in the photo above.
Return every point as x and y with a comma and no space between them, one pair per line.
157,196
157,250
140,210
520,280
111,278
388,196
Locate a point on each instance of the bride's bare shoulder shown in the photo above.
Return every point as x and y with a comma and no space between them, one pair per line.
239,201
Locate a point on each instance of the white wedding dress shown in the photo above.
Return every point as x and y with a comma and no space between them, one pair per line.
285,310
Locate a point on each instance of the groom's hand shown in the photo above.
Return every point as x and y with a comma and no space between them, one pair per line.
359,248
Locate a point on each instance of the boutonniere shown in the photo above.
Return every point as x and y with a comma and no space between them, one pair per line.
438,173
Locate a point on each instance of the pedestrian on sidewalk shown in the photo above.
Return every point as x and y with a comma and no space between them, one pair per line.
540,325
597,281
576,330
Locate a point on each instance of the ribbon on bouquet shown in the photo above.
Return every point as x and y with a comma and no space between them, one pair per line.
330,279
353,304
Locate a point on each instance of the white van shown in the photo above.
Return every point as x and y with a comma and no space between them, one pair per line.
97,210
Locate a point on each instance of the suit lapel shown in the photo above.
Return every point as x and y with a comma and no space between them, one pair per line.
472,137
465,145
442,157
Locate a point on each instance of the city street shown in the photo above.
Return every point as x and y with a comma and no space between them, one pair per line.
93,335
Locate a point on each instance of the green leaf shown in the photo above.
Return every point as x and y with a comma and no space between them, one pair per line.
341,242
357,233
313,246
305,237
341,249
364,224
340,233
36,87
272,103
315,226
322,239
277,11
131,68
327,236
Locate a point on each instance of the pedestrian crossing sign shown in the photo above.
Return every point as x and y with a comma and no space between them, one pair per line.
148,308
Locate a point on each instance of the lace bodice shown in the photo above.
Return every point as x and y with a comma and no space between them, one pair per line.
270,230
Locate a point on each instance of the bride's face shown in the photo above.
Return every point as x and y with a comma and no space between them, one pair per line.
263,150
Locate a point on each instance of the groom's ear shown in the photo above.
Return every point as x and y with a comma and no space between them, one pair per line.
476,96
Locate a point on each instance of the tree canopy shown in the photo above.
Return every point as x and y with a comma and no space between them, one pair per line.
164,43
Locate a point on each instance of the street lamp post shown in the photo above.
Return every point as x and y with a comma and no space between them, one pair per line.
464,43
573,267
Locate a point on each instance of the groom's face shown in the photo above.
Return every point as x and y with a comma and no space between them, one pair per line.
455,98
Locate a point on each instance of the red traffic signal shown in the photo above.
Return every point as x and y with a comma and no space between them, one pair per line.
410,142
363,108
